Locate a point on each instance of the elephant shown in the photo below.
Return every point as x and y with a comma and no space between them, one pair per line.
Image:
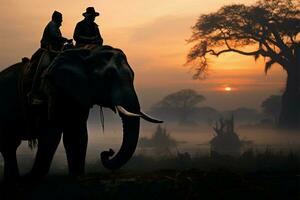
80,78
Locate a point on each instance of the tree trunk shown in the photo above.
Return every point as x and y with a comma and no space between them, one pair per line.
290,105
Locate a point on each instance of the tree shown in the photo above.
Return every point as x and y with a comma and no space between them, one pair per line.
271,107
270,28
183,102
243,114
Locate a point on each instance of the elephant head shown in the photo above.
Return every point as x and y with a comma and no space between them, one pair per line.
103,77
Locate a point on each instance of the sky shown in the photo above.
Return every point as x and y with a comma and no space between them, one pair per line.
153,35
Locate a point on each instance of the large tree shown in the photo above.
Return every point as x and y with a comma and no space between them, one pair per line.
182,102
269,29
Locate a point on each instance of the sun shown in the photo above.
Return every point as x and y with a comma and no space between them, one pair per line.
228,89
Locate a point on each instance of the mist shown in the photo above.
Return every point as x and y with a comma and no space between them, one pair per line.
193,140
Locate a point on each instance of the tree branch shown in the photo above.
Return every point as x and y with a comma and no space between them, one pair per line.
229,49
252,53
279,42
275,56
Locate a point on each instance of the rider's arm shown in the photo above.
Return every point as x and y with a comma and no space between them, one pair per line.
79,37
55,33
99,38
77,32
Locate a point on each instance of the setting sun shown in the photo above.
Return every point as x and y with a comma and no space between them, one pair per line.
228,89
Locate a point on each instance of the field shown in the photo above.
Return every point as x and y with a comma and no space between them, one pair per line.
270,169
253,175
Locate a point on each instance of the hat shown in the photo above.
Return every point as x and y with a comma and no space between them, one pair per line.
90,11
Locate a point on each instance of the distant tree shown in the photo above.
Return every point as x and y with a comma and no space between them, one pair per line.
243,114
269,29
206,114
183,101
271,107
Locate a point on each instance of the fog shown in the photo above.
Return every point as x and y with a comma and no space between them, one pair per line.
192,139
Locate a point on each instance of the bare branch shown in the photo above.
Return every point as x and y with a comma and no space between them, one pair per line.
252,53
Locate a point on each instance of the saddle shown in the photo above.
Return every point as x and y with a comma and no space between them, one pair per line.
29,71
31,115
27,76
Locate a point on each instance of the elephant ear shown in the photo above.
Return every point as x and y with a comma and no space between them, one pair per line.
69,73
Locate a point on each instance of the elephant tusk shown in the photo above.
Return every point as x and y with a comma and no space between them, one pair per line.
150,119
125,112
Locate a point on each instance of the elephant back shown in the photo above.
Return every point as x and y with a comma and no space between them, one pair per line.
10,104
14,86
68,73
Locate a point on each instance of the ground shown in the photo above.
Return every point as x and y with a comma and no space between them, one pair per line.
167,184
251,176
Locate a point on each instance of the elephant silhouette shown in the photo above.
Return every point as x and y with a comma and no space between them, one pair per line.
81,78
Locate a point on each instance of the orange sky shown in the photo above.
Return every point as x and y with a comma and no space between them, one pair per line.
153,35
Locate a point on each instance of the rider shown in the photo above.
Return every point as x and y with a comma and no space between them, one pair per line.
87,31
51,44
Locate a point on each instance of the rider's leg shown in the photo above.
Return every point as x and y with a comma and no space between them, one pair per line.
44,62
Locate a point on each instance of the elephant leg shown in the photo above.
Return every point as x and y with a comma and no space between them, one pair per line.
75,140
11,174
11,171
48,142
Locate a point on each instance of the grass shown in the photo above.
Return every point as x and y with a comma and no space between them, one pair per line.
250,161
253,175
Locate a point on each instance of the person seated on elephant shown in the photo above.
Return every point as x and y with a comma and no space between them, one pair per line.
51,44
86,32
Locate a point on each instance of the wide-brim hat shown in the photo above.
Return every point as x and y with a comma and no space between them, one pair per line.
90,11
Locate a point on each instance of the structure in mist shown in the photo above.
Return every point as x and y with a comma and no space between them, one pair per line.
160,142
226,141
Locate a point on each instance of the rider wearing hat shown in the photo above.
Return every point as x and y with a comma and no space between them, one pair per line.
87,31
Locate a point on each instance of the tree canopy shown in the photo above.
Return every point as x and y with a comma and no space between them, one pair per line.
269,27
182,99
179,105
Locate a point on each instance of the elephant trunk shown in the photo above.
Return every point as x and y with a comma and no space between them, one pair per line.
130,138
131,129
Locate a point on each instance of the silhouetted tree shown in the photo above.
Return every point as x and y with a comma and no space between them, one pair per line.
271,107
269,28
244,114
206,114
183,102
